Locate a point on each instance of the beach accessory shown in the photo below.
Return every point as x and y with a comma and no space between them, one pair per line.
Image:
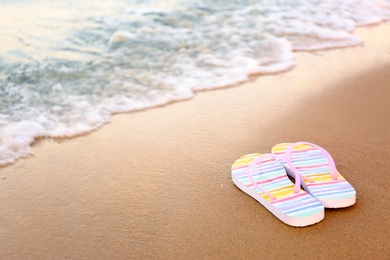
264,178
314,168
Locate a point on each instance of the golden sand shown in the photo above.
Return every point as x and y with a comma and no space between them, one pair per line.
156,184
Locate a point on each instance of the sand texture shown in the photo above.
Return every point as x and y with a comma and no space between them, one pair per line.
156,184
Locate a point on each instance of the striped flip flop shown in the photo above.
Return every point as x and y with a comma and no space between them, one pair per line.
264,178
316,168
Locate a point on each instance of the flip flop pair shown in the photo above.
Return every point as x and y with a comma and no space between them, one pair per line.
265,177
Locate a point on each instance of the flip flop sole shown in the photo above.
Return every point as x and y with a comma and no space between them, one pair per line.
314,165
293,209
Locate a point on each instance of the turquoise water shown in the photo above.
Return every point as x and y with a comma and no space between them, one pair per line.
66,66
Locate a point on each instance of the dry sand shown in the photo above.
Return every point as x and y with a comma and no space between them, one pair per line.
156,184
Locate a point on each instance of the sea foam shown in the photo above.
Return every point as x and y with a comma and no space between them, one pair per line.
109,61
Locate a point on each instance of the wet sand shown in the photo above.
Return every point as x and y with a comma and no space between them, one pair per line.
156,184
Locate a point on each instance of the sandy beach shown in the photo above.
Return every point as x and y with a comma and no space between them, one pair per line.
156,184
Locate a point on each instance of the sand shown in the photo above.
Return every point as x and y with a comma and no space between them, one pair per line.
156,184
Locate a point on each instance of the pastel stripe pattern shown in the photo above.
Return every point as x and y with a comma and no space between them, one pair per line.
314,168
271,177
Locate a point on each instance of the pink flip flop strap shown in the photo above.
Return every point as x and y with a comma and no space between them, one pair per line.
258,160
288,151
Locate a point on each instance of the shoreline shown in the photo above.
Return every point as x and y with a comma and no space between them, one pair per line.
23,149
156,183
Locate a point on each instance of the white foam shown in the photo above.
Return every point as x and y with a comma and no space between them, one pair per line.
122,36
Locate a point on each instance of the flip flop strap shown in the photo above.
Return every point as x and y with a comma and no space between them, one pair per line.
288,152
258,160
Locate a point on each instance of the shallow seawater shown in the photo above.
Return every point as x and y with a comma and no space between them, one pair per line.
67,66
